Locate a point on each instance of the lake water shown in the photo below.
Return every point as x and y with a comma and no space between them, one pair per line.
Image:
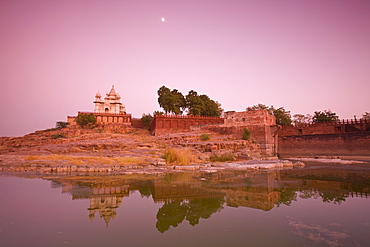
300,207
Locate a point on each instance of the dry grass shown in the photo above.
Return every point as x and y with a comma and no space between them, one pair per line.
221,158
179,156
91,160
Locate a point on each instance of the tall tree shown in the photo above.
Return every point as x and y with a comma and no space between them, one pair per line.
202,105
211,107
179,102
171,101
194,103
324,117
164,98
198,105
282,116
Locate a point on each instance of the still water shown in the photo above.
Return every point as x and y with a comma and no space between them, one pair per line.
299,207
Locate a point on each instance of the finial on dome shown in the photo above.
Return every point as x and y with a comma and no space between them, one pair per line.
112,91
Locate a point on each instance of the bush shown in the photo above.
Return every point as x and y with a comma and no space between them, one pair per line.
146,120
179,156
61,125
221,158
57,136
204,137
246,134
86,120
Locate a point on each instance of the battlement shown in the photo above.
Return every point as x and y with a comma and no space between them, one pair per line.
335,127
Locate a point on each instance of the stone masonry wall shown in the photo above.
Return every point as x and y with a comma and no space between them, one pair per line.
325,144
262,134
167,123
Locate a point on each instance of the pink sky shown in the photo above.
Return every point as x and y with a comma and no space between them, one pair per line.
303,55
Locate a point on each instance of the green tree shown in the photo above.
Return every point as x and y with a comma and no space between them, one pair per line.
146,119
179,102
171,101
198,105
164,98
194,103
211,108
282,116
86,120
324,117
202,105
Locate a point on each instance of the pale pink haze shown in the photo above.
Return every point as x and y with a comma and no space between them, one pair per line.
303,55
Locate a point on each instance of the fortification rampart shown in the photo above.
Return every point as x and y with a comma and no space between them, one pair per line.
167,123
355,143
336,127
344,137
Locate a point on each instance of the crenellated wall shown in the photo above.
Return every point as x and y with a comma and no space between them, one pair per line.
342,126
345,137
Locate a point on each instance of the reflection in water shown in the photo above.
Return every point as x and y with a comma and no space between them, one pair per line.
103,201
195,196
173,213
330,235
298,207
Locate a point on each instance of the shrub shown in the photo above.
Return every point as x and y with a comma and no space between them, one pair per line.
61,125
146,120
57,136
246,134
86,120
221,158
179,156
204,137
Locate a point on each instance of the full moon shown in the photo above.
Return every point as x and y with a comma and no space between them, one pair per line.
163,19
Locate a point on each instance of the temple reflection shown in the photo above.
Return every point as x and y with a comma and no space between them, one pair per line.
103,201
194,196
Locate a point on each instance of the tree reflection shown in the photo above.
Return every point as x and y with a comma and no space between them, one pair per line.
287,196
174,213
333,197
290,195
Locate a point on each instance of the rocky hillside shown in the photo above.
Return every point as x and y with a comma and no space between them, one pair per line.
130,146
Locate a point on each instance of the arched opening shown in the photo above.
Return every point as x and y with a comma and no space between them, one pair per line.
106,110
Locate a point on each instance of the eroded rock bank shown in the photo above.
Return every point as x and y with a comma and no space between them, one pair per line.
131,151
153,168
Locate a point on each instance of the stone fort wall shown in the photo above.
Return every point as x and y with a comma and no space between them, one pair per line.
345,137
162,124
325,144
